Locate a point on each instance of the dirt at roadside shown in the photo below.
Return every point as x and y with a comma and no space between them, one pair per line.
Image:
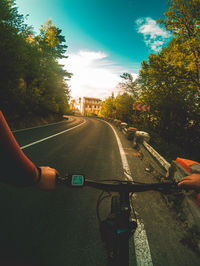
32,121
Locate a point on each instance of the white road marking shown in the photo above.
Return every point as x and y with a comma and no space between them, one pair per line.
142,249
127,171
52,136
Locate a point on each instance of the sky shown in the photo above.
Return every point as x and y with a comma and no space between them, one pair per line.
105,38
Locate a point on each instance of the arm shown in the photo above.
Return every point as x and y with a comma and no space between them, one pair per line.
16,168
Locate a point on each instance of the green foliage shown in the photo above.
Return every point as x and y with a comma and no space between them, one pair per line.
31,80
108,107
174,100
120,107
124,107
50,40
183,20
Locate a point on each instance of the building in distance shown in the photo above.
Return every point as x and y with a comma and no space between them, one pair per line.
88,106
91,106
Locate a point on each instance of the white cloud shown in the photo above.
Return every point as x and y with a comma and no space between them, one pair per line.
94,75
154,36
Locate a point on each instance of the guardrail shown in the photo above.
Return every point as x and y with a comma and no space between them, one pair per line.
186,204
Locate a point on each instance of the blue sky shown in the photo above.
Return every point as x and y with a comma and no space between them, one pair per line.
105,38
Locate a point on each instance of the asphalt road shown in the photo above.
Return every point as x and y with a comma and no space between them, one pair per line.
60,227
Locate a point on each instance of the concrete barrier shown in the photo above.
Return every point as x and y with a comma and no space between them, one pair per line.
140,137
118,123
129,132
123,125
115,122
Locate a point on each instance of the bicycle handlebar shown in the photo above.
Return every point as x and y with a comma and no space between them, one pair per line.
117,185
131,186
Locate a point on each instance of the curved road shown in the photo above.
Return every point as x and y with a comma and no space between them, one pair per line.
60,227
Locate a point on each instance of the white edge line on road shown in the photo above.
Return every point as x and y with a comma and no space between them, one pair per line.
52,136
127,171
142,249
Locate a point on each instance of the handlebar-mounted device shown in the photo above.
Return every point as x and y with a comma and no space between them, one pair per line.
71,180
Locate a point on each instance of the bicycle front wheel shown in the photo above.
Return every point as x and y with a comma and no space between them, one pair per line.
113,259
120,212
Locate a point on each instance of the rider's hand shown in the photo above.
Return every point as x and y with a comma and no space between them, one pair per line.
48,178
192,181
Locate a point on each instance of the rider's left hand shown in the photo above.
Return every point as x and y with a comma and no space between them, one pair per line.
48,178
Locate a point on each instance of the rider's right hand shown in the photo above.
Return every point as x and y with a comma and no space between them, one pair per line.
191,181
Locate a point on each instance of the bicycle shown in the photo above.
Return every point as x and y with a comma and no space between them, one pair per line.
121,223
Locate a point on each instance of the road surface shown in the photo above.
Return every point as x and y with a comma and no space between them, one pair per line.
60,227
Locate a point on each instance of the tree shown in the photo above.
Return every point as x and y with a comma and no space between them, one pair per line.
50,40
124,107
12,53
174,102
120,107
108,107
31,80
129,85
183,20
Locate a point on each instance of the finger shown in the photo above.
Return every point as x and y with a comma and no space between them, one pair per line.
186,178
185,183
55,172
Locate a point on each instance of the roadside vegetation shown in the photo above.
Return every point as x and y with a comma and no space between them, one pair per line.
32,83
169,82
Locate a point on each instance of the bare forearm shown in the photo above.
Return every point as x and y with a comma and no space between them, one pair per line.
16,168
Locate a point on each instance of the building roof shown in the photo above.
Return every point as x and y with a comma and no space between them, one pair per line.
92,98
